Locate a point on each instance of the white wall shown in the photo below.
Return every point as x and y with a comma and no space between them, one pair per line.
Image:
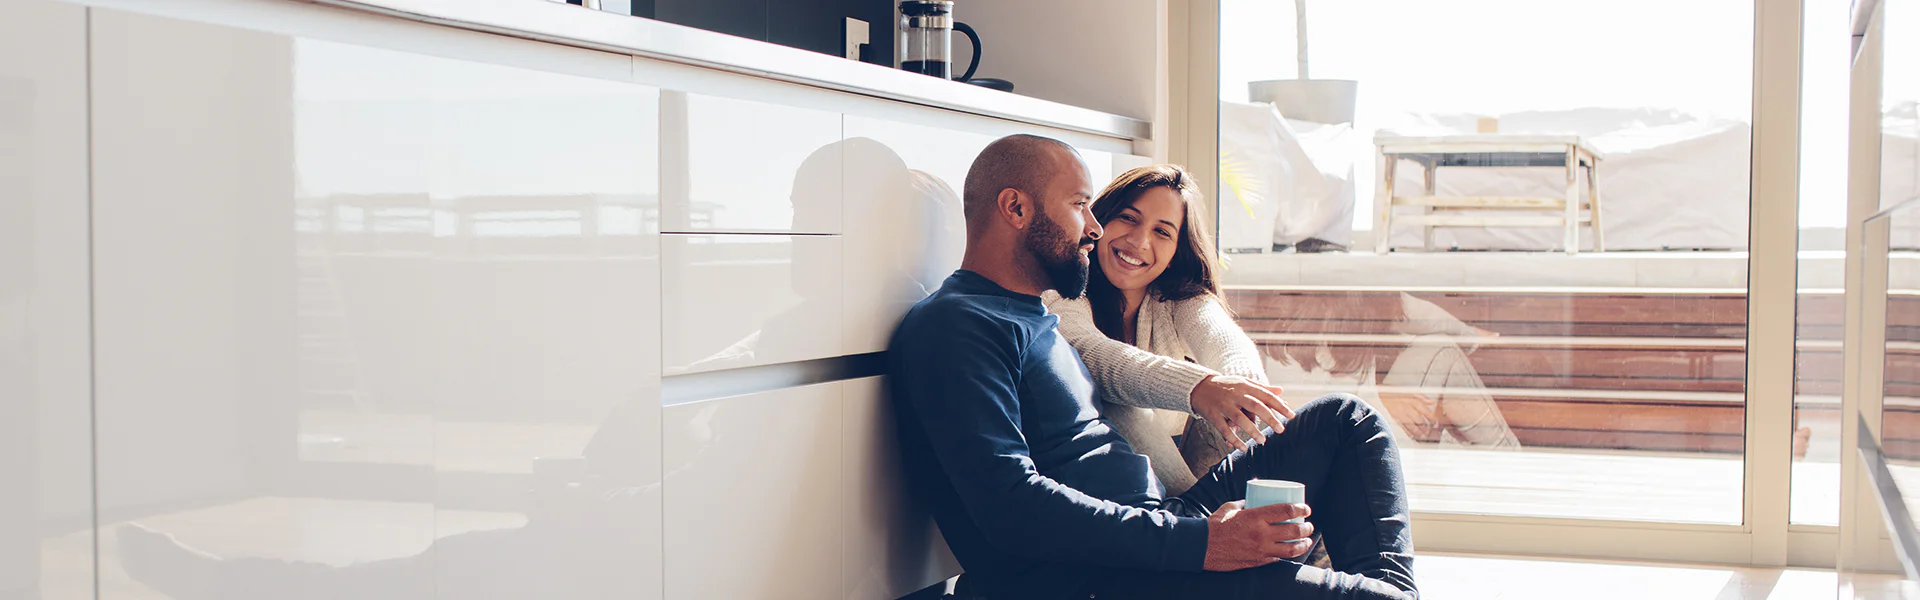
1098,54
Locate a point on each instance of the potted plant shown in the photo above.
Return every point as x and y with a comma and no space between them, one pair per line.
1316,100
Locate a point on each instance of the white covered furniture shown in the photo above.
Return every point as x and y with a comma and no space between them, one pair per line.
1282,180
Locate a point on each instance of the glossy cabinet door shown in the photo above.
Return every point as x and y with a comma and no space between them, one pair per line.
542,321
754,488
198,414
892,546
738,300
371,323
906,227
740,166
46,472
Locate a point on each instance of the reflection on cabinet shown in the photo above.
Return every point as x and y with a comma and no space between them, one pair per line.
794,493
742,166
739,300
393,314
193,266
386,323
906,228
893,547
753,489
46,537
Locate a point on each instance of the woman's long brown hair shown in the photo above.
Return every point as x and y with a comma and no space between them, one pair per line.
1192,271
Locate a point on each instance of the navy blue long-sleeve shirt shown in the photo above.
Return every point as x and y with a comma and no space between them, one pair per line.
1001,435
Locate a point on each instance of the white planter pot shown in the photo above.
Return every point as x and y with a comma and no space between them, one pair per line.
1329,101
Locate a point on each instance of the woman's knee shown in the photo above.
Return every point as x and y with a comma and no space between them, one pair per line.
1341,409
1339,405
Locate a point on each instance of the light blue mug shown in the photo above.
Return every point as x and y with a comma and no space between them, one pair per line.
1264,492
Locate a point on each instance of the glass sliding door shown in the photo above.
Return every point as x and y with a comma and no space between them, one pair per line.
1519,228
1821,308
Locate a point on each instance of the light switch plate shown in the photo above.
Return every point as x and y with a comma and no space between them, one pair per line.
856,37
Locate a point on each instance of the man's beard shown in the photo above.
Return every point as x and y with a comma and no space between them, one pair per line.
1059,256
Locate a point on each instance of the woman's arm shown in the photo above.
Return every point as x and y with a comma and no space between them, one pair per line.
1218,342
1206,327
1427,318
1127,375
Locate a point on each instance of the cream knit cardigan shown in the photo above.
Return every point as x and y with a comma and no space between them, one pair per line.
1184,343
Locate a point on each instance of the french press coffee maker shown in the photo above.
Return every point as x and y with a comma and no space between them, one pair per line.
926,44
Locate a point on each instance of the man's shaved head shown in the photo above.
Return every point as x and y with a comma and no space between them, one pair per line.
1028,220
1020,161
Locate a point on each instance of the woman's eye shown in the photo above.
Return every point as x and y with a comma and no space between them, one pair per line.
1165,234
1127,218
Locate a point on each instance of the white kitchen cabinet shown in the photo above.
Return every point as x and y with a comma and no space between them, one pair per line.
892,546
544,327
46,533
197,316
906,226
372,311
731,165
754,490
740,300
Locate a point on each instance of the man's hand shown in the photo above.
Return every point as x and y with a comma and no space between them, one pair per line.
1241,538
1234,404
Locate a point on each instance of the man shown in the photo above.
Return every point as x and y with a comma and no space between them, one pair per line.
1039,498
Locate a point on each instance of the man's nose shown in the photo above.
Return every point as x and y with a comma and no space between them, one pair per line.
1094,230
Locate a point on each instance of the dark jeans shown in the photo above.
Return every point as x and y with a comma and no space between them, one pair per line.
1342,450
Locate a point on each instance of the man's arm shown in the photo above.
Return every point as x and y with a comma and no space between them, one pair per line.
960,378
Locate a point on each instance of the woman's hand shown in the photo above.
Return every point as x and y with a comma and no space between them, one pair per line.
1235,406
1417,413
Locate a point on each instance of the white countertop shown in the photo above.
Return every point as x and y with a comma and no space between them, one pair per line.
575,26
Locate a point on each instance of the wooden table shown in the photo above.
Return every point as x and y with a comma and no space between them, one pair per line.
1490,150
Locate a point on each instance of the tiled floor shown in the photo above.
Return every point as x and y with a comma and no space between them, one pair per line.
1464,577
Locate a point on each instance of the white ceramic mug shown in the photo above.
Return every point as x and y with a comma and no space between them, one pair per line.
1264,492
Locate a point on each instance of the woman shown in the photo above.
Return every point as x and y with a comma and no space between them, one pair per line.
1152,326
1156,335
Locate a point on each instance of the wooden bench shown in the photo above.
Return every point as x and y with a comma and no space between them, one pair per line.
1567,152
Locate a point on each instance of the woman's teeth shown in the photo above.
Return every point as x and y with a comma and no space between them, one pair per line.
1126,258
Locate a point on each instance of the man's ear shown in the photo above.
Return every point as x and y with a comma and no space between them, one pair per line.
1015,207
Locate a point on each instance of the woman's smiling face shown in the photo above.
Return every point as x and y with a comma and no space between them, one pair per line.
1141,240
